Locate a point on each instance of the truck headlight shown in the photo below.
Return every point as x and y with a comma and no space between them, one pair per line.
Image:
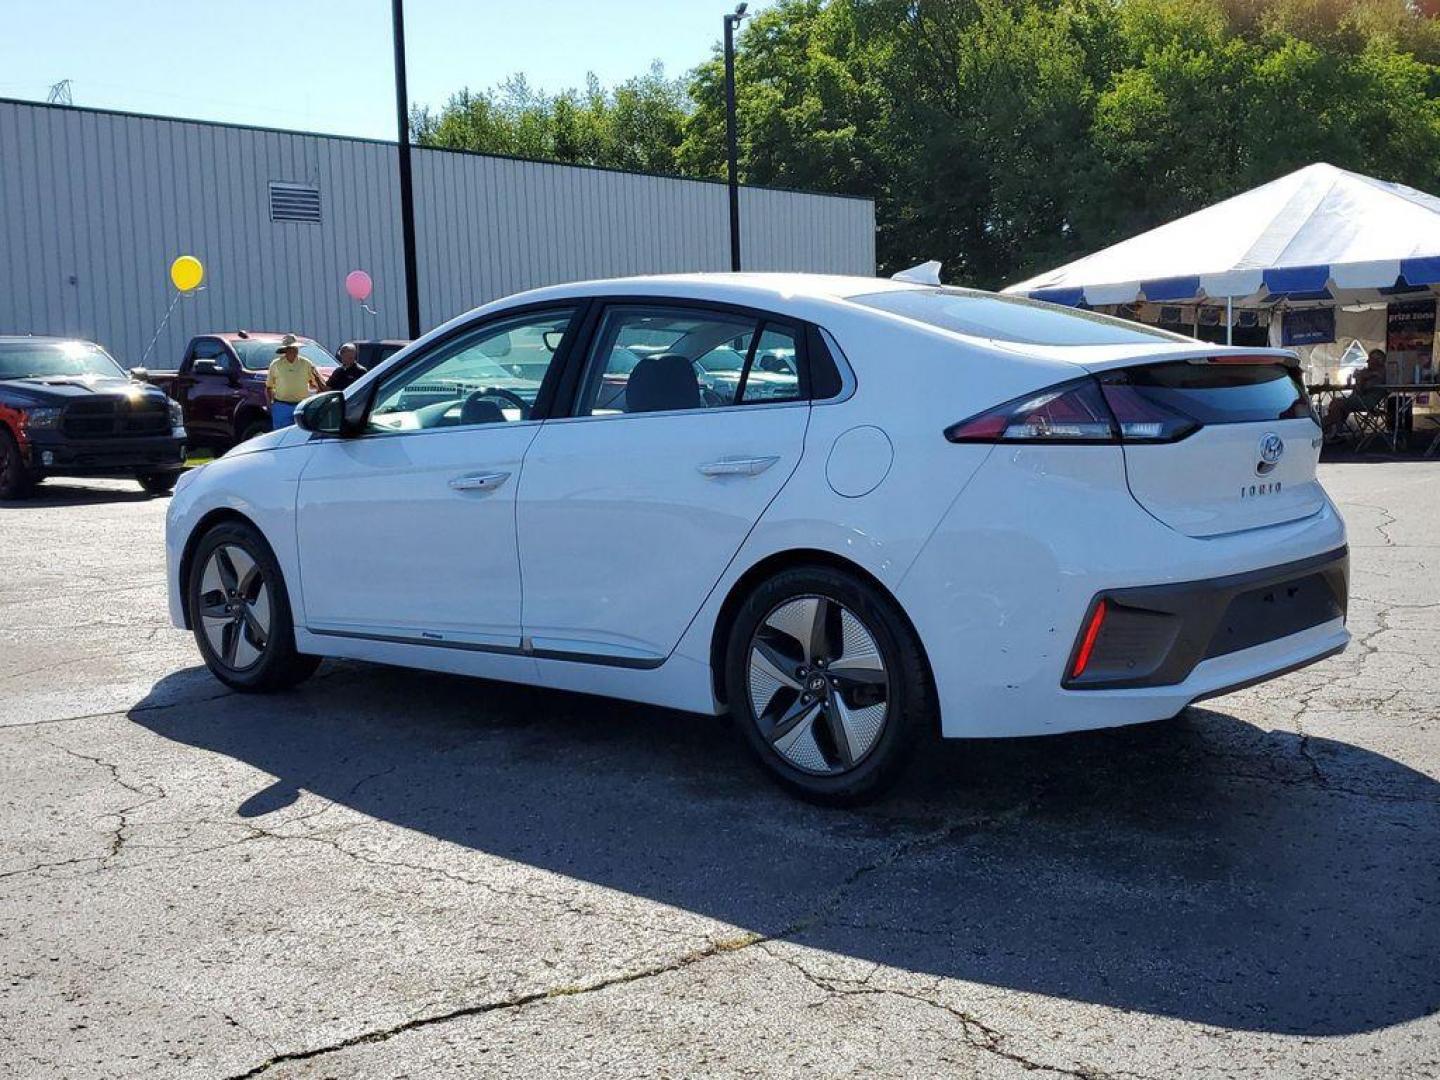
177,418
47,417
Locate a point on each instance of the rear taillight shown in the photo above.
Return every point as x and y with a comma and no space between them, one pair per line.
1073,412
1085,411
1143,420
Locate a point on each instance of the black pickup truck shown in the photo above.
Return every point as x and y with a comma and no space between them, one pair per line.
68,409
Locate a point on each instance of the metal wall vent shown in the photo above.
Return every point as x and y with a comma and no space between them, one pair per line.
294,202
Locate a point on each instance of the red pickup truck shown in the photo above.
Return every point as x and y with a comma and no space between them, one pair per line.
220,384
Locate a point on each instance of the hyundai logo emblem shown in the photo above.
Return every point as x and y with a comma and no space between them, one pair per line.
1272,449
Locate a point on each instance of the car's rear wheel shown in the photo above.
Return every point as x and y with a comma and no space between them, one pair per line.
829,683
16,480
241,612
158,483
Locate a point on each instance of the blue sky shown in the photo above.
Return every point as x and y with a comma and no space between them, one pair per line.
325,65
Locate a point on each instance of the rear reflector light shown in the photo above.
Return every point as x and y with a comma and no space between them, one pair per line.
1087,643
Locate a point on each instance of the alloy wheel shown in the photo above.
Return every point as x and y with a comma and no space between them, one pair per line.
819,689
235,607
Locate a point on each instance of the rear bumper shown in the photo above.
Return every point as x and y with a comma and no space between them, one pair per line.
54,454
1158,635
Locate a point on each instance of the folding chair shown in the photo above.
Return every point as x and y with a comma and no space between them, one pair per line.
1371,424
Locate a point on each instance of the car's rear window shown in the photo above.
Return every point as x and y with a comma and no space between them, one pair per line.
257,355
1217,393
1011,318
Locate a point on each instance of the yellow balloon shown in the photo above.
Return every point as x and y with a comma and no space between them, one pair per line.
186,273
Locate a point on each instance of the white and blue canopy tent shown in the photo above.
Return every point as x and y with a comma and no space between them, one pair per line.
1319,236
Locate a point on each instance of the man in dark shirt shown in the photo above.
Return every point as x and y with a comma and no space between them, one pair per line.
348,371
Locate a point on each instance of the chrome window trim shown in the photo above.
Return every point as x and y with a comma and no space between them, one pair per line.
704,410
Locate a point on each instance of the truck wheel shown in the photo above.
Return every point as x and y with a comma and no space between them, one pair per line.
16,480
159,483
253,429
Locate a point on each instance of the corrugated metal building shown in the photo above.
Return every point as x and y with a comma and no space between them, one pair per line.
94,206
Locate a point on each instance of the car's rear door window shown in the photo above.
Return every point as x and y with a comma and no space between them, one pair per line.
658,358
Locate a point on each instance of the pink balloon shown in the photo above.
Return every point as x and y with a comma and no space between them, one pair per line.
358,285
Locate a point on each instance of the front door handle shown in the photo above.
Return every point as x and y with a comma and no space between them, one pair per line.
479,481
738,466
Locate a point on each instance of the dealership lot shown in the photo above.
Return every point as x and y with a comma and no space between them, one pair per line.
389,873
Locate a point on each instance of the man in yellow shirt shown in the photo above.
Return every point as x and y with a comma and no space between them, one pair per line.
291,380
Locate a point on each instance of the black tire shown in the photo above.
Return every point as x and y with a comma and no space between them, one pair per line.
277,665
160,483
254,429
910,715
16,479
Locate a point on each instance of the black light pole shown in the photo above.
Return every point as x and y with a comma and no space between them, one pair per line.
732,21
407,191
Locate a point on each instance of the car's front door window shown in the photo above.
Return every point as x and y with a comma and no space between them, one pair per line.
490,376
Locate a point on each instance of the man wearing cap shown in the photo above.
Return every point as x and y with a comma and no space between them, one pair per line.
291,380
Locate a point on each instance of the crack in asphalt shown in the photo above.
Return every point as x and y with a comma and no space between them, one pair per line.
978,1035
715,947
125,712
1388,519
152,792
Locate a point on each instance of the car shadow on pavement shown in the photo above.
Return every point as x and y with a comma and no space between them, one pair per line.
52,494
1202,869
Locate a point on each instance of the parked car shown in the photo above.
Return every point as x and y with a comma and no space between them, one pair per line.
220,384
972,514
68,409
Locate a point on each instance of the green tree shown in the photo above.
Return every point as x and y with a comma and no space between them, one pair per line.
637,125
1007,136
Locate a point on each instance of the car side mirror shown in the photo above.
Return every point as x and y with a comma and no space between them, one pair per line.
205,367
323,414
140,374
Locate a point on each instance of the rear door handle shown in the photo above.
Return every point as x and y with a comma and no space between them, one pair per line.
738,466
479,481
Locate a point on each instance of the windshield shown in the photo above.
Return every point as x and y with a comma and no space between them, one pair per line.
257,355
47,359
1011,318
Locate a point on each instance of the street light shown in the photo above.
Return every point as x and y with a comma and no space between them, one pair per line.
731,22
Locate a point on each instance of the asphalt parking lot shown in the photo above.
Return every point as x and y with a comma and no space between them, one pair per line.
390,873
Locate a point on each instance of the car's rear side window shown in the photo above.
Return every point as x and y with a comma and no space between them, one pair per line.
1010,318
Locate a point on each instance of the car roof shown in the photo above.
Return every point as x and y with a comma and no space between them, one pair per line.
737,288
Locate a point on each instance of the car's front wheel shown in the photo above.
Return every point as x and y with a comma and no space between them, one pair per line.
161,483
241,613
829,683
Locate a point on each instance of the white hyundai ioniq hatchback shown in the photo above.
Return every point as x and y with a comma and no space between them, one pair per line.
852,512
